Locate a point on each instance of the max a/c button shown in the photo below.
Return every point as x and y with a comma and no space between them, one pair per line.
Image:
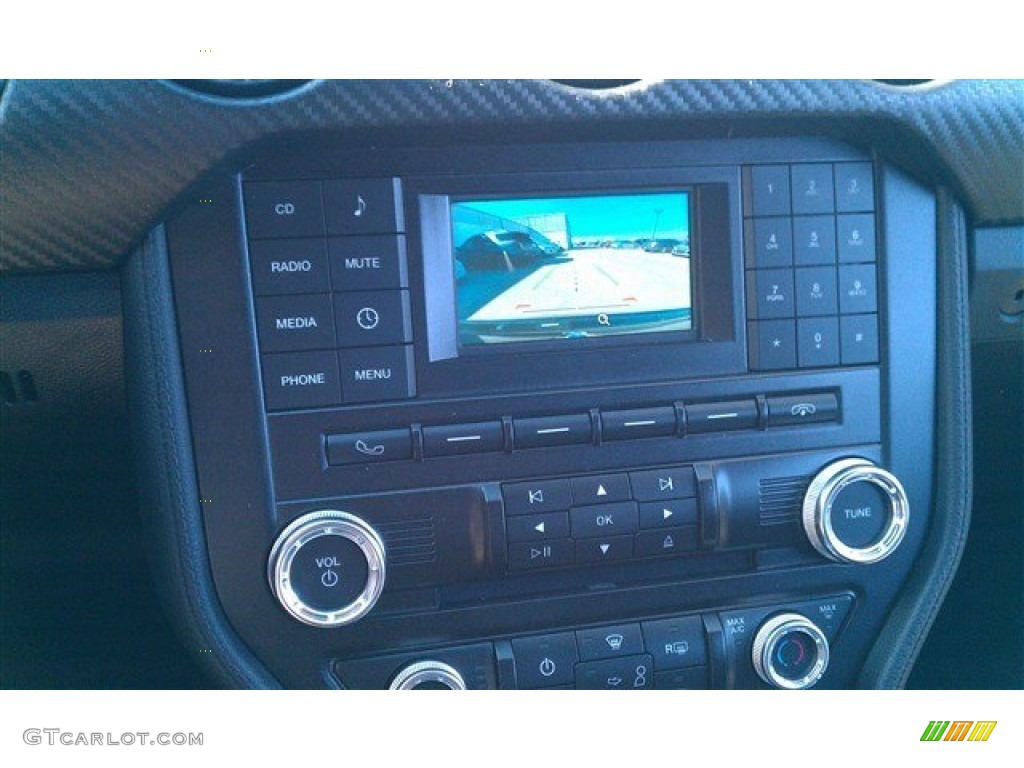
369,447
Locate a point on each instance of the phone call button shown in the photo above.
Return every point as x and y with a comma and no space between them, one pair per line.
368,447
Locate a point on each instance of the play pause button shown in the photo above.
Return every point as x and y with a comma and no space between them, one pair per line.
541,554
604,550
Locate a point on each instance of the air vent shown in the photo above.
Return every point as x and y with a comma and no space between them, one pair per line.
409,542
781,500
241,89
18,388
596,85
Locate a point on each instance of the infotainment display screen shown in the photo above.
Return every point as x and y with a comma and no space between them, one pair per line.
547,268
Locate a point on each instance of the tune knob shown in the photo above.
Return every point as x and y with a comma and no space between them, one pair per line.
428,675
790,651
855,512
327,568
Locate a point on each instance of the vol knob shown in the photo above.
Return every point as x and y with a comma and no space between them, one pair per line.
428,675
327,568
855,512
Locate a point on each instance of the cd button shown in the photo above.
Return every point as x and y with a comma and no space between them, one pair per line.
369,447
551,525
598,489
363,206
461,439
536,496
604,519
283,209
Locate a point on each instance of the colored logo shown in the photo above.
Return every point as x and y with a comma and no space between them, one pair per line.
958,730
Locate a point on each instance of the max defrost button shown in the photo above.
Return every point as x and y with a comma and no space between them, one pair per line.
377,373
301,380
369,447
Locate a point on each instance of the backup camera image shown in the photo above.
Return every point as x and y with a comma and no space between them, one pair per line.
531,269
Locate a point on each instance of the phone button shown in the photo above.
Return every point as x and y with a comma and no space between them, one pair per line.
369,447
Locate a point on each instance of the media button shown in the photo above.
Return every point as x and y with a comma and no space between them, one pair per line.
367,263
300,380
363,206
539,554
604,550
283,209
536,496
658,484
372,318
462,439
289,266
598,489
377,373
369,447
295,323
603,520
550,525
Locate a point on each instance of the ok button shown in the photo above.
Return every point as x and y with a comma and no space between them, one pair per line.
604,519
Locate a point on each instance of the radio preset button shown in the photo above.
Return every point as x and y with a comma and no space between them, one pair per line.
289,266
295,323
550,525
300,380
598,489
377,373
676,643
536,496
667,541
283,209
604,550
609,642
604,520
545,661
367,263
668,513
363,206
628,673
635,424
702,418
462,439
546,431
369,447
657,484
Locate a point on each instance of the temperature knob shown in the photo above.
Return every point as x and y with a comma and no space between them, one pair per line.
855,512
327,568
790,651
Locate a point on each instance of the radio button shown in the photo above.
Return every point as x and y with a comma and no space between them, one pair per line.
540,554
702,418
372,318
657,484
363,206
284,209
545,431
676,643
368,263
667,541
814,240
802,409
462,439
289,266
668,513
552,525
812,189
295,323
369,447
545,661
772,345
536,496
645,422
377,373
604,520
609,549
771,293
609,642
817,341
769,188
300,380
629,673
598,489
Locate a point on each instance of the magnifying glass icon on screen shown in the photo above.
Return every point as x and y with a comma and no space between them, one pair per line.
602,319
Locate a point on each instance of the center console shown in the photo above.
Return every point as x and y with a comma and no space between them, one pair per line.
653,415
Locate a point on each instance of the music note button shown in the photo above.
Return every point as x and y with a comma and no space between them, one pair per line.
363,206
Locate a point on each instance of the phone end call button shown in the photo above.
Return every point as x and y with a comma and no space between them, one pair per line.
369,447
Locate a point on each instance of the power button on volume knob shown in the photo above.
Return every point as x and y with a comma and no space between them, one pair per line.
327,568
855,512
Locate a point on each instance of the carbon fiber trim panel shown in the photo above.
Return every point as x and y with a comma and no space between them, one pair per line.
90,166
